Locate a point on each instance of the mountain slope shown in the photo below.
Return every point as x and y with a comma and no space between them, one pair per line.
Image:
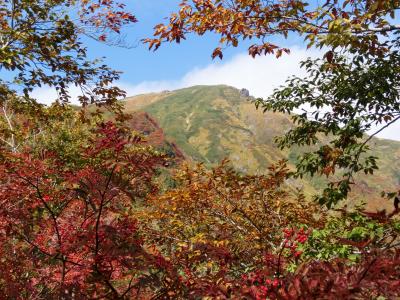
145,124
210,123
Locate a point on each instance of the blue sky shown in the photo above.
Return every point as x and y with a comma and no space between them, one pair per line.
189,63
176,66
171,61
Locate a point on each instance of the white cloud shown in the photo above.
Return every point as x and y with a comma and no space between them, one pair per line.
259,75
150,87
45,95
392,132
48,95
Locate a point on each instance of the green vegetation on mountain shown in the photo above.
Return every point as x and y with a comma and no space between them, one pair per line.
210,123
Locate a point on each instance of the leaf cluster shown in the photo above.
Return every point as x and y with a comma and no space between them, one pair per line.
333,108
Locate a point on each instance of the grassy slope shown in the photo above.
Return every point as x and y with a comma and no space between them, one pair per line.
210,123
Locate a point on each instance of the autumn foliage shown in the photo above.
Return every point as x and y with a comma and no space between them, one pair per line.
356,24
71,231
90,207
92,220
234,236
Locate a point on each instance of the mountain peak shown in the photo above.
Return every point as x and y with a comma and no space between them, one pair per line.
211,123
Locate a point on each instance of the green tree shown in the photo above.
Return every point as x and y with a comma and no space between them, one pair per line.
335,105
352,89
41,44
356,25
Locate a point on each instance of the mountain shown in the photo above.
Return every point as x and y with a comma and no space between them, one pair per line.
210,123
155,136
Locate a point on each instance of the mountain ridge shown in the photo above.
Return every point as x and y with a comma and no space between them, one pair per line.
211,123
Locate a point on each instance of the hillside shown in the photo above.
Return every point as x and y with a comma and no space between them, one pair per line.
146,125
210,123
